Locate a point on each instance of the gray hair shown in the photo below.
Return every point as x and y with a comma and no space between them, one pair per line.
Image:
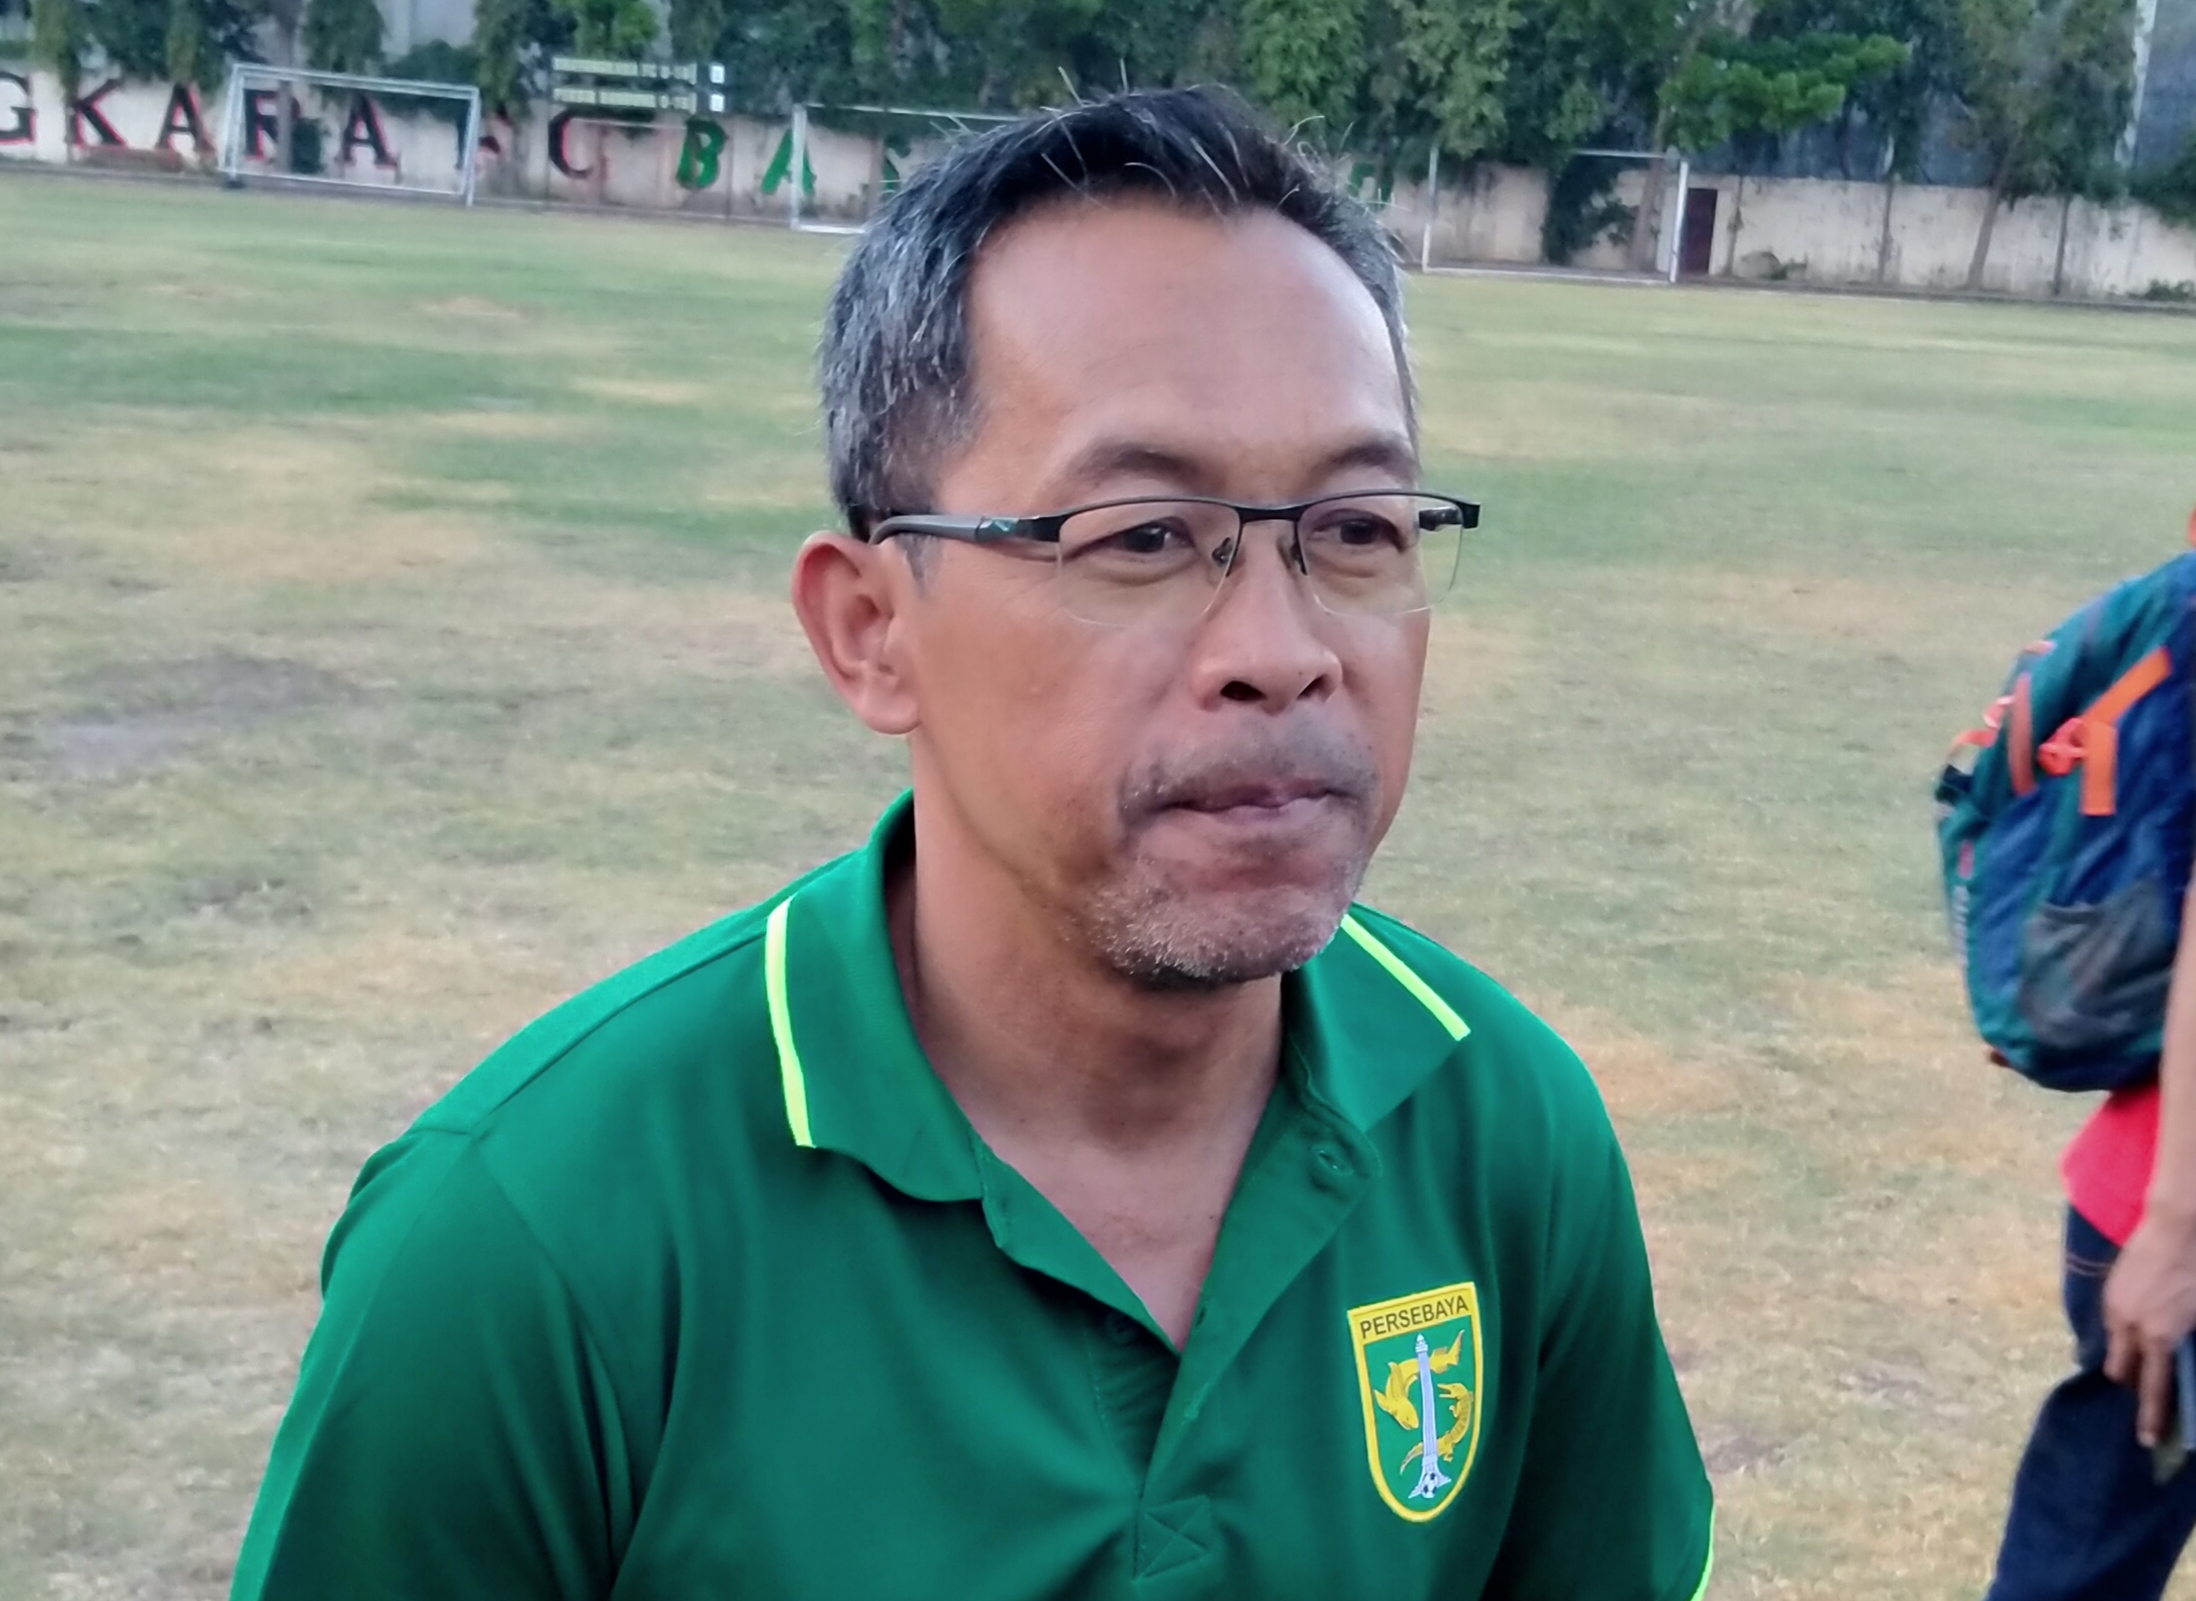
894,361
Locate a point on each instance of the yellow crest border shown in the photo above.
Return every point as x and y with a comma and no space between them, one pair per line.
1469,1291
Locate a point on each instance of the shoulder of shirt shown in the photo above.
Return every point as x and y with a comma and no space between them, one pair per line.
1509,1051
657,999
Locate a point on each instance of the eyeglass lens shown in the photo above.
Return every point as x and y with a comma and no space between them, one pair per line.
1377,554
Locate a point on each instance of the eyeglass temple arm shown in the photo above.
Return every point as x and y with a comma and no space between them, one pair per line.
976,530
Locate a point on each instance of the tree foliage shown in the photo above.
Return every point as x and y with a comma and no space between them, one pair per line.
343,35
1753,92
616,28
2045,91
1894,105
1300,57
512,40
2038,84
2171,190
60,36
187,40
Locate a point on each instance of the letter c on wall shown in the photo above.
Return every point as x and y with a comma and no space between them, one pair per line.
559,125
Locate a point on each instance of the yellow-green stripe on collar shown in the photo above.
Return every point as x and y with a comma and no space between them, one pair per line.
1420,990
791,1078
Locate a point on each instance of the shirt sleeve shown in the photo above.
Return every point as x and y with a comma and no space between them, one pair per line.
1613,1503
454,1433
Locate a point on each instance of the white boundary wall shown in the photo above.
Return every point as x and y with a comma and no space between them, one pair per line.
1802,230
1907,236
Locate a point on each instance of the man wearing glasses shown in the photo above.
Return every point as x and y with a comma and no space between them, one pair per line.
1070,1194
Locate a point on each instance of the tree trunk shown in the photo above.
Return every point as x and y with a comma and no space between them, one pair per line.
2058,267
1738,221
1647,221
1981,240
1989,223
1883,245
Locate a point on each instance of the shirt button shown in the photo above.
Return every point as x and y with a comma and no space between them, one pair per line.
1329,1169
1120,1328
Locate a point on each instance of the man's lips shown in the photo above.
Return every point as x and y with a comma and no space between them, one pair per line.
1253,796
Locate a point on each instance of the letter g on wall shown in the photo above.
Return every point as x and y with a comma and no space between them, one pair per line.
18,122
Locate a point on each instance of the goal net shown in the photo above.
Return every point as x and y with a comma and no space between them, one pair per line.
1616,212
834,165
390,134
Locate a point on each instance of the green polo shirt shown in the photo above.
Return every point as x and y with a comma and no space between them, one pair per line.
702,1287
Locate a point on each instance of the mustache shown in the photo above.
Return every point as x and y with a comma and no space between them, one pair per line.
1264,768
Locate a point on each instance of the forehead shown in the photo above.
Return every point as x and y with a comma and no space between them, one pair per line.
1215,336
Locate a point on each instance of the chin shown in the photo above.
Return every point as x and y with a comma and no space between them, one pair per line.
1211,940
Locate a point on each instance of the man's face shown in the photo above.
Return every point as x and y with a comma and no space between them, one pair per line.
1194,800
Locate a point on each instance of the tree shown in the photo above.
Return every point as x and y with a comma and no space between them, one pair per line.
1667,49
1756,92
2171,189
60,36
609,27
194,52
1894,105
1437,75
697,28
1303,59
187,40
509,38
2045,89
133,34
343,35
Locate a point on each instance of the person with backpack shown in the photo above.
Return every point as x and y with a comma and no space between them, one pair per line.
2102,1506
2067,849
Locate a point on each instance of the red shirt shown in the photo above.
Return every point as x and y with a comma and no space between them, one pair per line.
2107,1168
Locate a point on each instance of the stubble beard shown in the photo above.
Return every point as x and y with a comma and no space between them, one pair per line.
1160,936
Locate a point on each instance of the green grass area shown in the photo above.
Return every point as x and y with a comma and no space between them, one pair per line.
392,641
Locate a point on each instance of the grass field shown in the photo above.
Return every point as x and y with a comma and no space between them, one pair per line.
392,641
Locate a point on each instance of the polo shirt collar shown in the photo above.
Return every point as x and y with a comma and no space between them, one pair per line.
1362,1030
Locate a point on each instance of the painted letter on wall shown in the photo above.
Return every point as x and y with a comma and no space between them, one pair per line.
18,122
85,108
182,117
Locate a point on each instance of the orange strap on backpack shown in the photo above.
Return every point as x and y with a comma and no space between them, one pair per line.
2092,740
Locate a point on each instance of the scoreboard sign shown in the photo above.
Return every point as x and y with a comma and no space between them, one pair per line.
691,87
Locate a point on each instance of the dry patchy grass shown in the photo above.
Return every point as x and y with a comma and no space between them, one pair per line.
391,642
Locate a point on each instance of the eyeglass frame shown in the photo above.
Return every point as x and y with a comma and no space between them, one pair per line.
873,527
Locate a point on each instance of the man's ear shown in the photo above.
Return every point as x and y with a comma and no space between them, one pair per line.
849,596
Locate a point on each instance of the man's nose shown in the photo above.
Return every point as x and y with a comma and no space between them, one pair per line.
1265,640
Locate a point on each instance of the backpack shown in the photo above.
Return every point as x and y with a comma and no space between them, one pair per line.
2067,843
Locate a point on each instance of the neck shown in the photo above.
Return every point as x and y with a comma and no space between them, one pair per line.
1042,1043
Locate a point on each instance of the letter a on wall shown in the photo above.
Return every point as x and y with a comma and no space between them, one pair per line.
363,127
182,117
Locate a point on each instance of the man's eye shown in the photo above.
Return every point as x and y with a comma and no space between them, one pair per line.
1158,537
1361,532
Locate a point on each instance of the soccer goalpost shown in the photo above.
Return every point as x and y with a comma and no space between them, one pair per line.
1620,212
352,131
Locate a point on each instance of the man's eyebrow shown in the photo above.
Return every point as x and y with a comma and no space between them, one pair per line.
1390,455
1113,458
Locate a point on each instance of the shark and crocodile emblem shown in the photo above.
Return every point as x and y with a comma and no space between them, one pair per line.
1419,1377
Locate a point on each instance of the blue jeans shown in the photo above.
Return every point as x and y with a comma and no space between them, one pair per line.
2089,1521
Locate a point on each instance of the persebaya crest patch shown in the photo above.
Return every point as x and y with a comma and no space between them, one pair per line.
1418,1372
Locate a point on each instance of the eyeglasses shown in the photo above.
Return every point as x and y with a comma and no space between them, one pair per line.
1381,553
